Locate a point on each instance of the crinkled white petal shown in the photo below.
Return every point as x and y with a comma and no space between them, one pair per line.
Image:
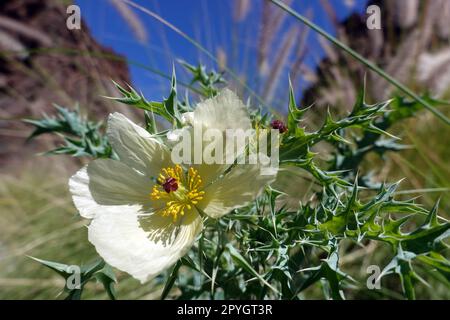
122,242
243,184
224,111
104,184
135,146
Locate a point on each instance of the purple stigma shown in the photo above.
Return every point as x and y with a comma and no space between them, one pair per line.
170,184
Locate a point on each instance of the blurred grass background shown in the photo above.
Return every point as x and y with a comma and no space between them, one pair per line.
37,217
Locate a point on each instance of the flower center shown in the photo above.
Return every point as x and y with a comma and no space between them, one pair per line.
171,184
178,189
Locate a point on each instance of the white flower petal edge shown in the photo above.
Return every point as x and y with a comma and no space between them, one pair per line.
224,111
135,146
120,240
243,184
105,184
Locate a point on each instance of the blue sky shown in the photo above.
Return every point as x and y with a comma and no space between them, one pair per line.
208,21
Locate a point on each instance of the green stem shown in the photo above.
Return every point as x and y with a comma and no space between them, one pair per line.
363,60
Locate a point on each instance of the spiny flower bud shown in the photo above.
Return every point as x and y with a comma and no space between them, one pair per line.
278,124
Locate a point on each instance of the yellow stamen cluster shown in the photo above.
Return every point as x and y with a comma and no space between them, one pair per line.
186,195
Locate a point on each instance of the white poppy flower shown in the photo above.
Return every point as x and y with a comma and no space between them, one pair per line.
145,209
